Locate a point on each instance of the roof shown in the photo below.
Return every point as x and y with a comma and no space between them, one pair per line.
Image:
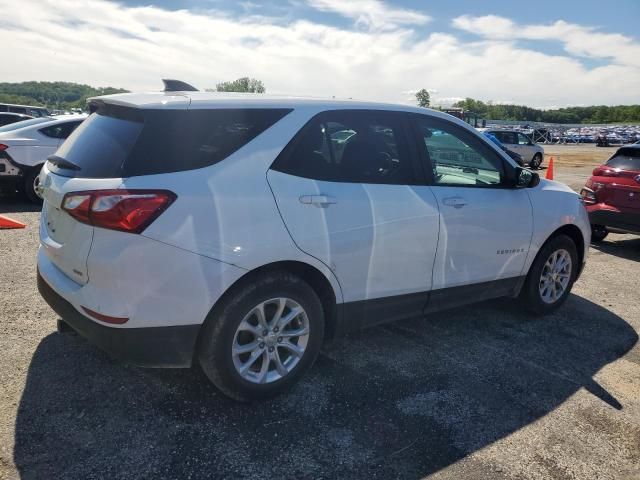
185,100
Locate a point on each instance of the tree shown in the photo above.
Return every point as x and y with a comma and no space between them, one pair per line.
423,98
244,84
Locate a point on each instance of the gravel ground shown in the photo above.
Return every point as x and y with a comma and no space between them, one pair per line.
484,391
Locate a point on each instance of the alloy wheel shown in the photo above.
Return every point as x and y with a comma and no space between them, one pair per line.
555,277
270,340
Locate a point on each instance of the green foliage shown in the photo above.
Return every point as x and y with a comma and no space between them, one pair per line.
244,84
53,95
594,114
423,98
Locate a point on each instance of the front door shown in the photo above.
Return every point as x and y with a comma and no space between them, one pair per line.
485,225
349,190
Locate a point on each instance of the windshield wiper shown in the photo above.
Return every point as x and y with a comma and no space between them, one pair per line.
62,163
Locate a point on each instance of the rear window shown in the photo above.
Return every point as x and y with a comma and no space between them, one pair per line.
625,159
123,142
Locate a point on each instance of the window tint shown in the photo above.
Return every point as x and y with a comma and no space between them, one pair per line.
18,110
458,157
125,142
355,146
627,159
509,137
52,131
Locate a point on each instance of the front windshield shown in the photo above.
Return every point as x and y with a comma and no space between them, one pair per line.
24,123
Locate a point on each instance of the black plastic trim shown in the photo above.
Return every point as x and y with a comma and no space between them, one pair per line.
168,347
365,313
627,222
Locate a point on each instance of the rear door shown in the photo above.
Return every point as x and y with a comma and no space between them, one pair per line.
351,194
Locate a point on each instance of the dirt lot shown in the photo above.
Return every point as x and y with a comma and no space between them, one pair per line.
573,164
478,392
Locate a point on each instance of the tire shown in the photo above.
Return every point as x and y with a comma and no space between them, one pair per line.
536,161
30,184
532,292
598,233
222,332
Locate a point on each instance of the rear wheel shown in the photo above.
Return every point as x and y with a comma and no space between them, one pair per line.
32,185
536,161
551,275
263,337
598,233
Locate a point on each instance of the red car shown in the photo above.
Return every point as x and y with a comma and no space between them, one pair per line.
612,194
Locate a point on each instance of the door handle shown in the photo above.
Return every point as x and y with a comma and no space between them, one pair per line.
456,202
321,201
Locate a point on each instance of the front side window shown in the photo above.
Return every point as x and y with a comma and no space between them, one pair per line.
457,157
355,146
523,139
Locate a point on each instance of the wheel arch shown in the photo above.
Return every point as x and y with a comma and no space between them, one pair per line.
574,233
316,279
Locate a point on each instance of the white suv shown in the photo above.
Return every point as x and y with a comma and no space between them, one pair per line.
239,231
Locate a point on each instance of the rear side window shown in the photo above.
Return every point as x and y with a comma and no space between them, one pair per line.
625,159
356,146
60,130
124,142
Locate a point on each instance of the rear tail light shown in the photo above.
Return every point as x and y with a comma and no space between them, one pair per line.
604,171
3,147
124,210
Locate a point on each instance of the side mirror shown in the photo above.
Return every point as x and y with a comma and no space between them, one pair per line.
526,178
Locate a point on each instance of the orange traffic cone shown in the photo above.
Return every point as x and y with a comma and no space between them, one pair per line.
549,175
6,223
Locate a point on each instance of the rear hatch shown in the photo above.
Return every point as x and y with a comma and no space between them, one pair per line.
89,159
119,141
623,189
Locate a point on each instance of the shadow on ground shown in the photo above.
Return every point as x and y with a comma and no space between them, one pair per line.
627,248
402,400
16,203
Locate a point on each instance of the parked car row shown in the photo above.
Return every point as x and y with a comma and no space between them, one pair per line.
531,153
25,146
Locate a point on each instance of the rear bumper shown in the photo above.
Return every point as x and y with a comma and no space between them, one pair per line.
615,219
171,346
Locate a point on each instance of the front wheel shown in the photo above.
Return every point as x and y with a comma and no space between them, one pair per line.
551,275
598,233
536,161
263,337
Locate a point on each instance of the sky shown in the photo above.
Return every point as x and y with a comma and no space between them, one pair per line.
544,54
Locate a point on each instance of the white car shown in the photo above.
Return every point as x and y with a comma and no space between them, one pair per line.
238,231
531,153
25,146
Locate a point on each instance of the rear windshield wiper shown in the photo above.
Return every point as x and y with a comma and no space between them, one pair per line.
62,163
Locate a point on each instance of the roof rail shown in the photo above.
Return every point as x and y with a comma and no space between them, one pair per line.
177,86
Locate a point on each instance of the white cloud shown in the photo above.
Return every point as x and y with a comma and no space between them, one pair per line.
577,40
108,44
373,14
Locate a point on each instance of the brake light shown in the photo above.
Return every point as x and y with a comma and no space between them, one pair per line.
604,171
3,147
124,210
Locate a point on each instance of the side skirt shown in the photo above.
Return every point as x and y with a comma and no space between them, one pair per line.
366,313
